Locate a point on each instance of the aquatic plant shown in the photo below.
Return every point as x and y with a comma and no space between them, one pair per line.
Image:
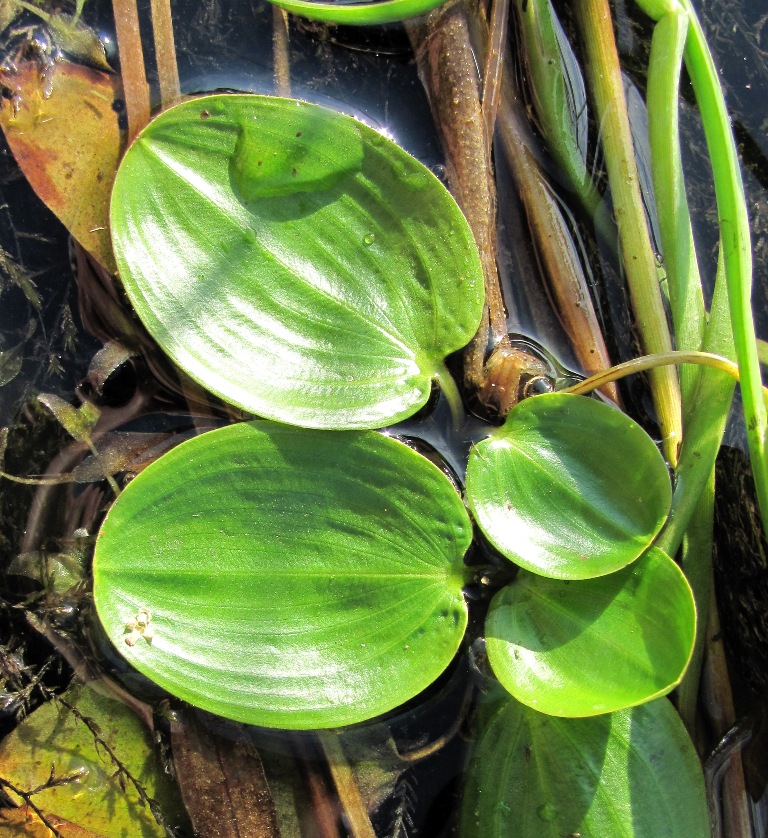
302,266
306,571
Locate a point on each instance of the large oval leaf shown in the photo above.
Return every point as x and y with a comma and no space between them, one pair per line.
597,645
568,487
293,260
631,774
295,579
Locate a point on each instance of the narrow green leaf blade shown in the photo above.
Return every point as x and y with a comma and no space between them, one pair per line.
596,645
631,774
568,487
293,260
295,579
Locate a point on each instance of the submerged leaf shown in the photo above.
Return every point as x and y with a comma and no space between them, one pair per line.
558,92
76,421
633,774
24,823
568,487
222,781
294,261
286,578
52,738
596,645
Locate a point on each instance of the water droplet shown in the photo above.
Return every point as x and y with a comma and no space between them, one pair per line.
438,170
547,812
369,238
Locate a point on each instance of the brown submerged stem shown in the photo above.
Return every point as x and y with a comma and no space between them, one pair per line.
558,260
165,52
448,71
346,785
734,820
132,71
282,68
493,68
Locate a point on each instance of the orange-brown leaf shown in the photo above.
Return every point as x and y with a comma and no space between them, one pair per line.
67,144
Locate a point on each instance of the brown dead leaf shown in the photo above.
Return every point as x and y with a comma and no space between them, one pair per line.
24,823
222,782
67,144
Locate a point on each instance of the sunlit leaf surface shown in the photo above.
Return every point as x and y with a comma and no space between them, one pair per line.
293,260
595,645
631,774
295,579
568,487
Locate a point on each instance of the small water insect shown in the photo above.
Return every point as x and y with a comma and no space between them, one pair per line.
139,626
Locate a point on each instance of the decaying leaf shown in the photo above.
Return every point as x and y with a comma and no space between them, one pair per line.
23,823
222,782
52,739
77,421
67,144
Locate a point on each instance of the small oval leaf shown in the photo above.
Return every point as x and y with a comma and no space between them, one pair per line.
633,774
596,645
286,578
568,487
293,260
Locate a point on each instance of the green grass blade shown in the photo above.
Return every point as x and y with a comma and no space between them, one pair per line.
685,294
735,243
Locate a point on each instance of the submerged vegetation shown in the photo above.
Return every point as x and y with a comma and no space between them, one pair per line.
333,497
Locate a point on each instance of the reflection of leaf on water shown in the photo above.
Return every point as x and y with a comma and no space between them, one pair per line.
11,359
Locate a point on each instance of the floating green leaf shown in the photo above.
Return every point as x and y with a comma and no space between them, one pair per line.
632,774
359,14
294,579
596,645
568,487
293,260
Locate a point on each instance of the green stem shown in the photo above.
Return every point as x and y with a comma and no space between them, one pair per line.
650,362
697,566
735,244
685,294
452,396
638,255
